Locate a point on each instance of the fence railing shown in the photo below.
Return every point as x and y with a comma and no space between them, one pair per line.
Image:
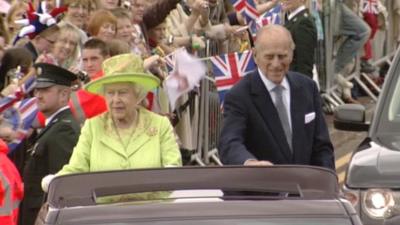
207,104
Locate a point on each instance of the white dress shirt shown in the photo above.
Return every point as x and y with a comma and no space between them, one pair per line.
295,12
285,93
47,121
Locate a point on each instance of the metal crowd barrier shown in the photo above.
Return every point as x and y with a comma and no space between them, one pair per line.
330,90
208,122
207,102
211,111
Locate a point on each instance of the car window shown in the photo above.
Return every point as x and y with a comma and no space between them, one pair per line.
256,221
394,106
388,122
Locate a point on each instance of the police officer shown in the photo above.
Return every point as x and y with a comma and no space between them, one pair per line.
54,143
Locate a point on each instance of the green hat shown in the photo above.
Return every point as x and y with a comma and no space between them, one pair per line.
124,68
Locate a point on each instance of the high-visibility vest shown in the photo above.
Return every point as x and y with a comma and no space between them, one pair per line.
11,188
83,105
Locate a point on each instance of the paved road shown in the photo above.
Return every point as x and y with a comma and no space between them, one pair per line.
346,142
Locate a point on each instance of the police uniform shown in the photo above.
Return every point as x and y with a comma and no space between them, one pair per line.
53,145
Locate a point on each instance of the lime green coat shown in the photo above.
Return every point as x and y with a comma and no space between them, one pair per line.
152,145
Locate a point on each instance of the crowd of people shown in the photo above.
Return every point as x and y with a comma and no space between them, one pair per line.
98,69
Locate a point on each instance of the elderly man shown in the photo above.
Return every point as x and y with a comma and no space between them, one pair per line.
274,116
53,145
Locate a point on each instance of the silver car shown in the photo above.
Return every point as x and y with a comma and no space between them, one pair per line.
372,180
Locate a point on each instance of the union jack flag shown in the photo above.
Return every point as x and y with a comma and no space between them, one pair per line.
273,16
170,61
247,8
21,117
22,90
229,68
370,6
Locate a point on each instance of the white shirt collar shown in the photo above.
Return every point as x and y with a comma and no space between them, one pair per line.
47,121
271,85
295,12
285,94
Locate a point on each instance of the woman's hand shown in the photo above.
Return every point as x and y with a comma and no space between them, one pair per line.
10,89
201,7
46,58
153,61
198,42
74,69
156,65
6,132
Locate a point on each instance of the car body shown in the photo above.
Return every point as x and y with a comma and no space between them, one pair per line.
372,180
284,195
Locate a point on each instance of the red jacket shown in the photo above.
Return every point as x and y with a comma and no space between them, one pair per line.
83,105
86,105
11,188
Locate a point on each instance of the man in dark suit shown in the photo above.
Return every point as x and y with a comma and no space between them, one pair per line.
273,116
54,143
304,34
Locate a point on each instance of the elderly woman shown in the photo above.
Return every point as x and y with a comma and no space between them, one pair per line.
103,25
127,136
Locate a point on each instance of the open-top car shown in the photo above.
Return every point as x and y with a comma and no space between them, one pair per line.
372,180
284,195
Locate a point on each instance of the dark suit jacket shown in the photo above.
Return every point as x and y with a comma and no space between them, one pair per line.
51,151
252,129
304,34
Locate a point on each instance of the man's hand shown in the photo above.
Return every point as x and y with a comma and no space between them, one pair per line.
254,162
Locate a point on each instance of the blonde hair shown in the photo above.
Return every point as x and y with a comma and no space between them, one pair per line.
4,30
118,47
122,13
67,29
90,5
11,16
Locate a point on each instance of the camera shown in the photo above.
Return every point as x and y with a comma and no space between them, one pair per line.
83,76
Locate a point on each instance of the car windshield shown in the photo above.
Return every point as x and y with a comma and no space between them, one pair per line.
388,129
257,221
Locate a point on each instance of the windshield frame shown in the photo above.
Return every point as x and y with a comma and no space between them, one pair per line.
382,126
232,221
